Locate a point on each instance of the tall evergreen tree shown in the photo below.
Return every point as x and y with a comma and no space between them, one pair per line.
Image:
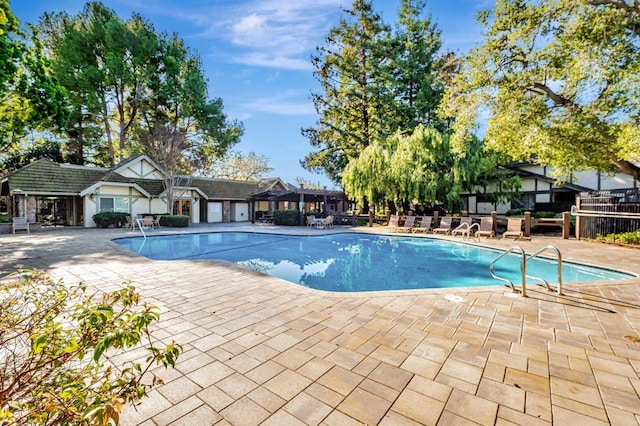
414,69
353,100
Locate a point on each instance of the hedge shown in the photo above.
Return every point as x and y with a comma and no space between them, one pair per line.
107,219
176,221
286,217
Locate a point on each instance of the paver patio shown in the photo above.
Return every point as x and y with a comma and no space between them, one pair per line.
260,350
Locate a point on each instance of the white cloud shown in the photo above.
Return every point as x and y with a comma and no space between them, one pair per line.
286,103
261,59
281,34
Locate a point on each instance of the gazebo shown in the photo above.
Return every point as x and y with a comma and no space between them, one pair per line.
280,196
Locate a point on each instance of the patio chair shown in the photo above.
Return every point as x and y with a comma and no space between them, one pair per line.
147,222
425,224
328,222
463,228
514,229
445,225
130,223
409,221
20,223
311,220
486,227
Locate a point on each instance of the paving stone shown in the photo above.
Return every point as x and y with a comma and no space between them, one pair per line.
244,412
472,407
335,347
364,406
308,409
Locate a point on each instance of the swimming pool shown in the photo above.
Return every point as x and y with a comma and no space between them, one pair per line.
350,262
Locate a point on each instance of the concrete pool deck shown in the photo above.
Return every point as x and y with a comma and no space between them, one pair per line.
260,350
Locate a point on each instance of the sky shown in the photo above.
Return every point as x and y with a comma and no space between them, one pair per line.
256,57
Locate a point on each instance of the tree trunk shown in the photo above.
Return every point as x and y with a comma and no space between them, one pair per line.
628,168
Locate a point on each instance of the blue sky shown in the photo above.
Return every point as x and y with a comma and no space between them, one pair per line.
256,56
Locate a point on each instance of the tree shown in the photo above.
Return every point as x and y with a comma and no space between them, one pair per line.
421,168
30,97
559,82
415,70
353,100
57,342
236,166
181,129
104,63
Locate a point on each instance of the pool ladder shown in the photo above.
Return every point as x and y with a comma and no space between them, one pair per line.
523,268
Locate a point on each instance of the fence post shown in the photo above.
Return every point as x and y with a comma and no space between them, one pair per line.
527,224
578,219
370,219
565,225
494,218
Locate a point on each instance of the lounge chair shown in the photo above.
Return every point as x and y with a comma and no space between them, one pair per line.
463,228
445,226
20,223
425,224
409,221
486,228
514,229
394,221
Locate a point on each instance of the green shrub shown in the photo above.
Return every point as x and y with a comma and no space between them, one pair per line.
5,218
286,217
362,222
55,338
515,212
107,219
624,238
175,221
543,214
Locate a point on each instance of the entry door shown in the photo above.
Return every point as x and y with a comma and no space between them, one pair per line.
182,207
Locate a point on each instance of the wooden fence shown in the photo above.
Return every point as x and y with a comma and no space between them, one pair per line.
608,212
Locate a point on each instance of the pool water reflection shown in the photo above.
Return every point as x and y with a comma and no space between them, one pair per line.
352,262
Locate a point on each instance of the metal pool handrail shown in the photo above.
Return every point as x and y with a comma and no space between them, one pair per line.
523,268
559,255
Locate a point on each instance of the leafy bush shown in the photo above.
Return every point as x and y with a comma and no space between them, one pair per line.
286,217
624,238
543,214
4,218
176,221
107,219
54,340
515,212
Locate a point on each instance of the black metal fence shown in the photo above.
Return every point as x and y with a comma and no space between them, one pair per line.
609,212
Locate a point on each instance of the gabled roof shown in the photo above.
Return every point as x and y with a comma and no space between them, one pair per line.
567,185
273,184
219,189
47,177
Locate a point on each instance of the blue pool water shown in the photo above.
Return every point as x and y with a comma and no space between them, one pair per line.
359,262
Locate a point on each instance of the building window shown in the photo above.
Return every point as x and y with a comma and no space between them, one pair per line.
526,202
114,204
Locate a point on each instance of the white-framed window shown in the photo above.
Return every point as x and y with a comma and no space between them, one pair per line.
114,204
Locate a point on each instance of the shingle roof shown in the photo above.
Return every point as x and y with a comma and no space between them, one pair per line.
47,177
218,189
152,186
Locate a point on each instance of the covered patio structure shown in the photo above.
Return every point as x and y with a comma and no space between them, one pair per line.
302,199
